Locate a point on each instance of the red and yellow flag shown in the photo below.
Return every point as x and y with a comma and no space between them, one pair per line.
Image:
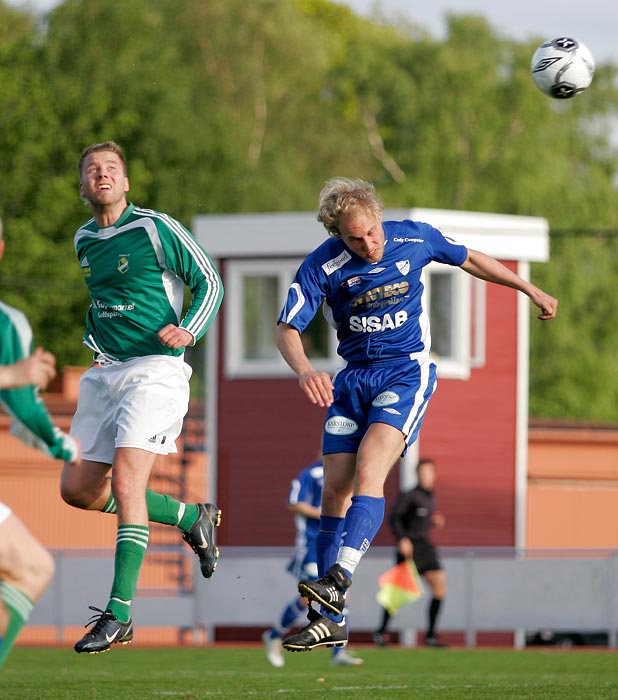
398,586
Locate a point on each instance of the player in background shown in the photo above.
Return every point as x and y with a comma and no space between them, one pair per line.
36,369
26,567
132,401
369,275
31,422
304,500
412,518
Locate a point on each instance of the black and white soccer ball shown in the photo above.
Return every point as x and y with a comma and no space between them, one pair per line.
562,67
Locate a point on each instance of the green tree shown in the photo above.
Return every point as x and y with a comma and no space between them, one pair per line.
575,358
38,273
235,106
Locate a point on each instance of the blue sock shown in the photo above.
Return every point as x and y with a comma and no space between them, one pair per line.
293,610
327,542
362,522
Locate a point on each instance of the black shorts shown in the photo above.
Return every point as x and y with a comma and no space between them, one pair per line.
425,557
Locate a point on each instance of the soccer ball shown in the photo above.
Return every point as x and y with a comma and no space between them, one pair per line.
562,67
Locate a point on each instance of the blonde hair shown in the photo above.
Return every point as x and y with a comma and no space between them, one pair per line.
341,195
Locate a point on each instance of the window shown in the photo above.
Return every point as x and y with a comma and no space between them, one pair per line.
454,317
256,291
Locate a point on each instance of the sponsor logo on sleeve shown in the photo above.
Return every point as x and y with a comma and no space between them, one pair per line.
334,264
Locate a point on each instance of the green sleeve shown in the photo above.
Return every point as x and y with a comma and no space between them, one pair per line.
32,423
185,257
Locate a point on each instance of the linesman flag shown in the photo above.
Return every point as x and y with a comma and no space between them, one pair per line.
399,586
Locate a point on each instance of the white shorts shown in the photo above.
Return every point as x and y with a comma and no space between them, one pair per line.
5,511
139,403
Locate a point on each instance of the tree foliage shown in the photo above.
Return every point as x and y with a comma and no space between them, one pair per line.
235,106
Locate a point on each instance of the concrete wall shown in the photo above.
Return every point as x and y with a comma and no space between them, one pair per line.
489,590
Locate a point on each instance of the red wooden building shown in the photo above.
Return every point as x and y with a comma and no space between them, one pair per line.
262,430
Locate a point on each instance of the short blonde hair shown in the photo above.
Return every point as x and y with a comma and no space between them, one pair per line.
110,146
341,195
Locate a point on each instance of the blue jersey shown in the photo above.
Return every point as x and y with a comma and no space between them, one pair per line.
306,488
378,310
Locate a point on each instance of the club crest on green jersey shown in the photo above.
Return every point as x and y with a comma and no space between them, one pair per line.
123,264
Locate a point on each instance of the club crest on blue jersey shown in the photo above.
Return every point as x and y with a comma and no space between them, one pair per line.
403,266
123,264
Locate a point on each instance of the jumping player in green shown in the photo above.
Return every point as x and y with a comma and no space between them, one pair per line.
136,264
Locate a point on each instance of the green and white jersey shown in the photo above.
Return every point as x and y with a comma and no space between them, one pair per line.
32,423
136,271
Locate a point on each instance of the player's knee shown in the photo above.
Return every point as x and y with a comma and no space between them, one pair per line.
74,495
334,501
47,567
37,574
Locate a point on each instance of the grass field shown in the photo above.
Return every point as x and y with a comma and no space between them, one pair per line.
230,673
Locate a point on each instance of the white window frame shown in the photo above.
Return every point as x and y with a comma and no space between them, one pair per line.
457,366
237,366
468,321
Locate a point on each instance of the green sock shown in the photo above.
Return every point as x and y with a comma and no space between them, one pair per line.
19,606
131,543
163,509
167,510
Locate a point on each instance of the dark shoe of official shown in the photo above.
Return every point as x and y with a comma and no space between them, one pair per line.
435,643
106,630
329,590
201,537
379,639
320,632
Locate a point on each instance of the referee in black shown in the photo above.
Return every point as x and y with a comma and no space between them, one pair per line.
411,520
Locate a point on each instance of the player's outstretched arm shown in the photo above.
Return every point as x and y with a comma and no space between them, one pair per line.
487,268
317,386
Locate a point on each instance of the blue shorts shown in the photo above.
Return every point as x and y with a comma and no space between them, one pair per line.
395,392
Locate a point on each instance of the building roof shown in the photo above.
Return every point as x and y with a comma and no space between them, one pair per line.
288,234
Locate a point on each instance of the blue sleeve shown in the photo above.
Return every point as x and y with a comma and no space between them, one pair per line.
299,490
444,250
305,295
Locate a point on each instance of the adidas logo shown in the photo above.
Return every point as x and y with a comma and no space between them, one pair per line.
333,593
319,631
